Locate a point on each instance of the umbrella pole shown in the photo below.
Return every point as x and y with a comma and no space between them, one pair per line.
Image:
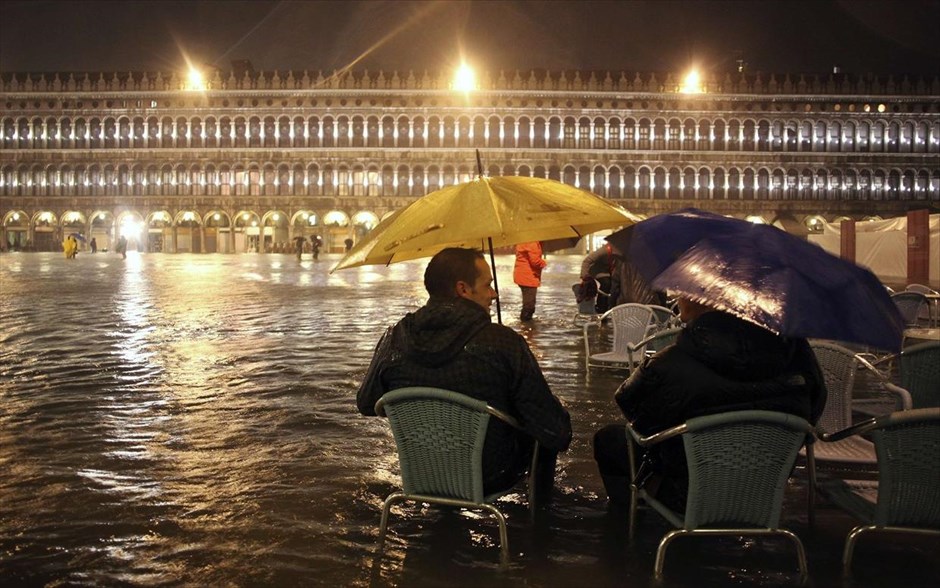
499,314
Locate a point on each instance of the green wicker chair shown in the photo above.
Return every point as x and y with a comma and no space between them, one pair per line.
920,374
439,435
908,493
852,457
912,306
739,463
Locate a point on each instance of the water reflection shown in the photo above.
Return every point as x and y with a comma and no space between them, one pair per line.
187,419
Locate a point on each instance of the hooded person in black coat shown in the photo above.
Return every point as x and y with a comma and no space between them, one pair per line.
451,343
719,363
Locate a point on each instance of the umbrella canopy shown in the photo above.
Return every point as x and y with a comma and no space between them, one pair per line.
78,236
500,211
764,275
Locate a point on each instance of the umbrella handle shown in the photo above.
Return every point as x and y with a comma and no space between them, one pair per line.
499,314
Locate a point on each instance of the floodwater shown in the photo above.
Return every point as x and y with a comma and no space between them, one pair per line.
190,420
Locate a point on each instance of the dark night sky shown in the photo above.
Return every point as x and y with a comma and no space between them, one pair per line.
791,36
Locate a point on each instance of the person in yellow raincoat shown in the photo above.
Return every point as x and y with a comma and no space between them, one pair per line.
70,247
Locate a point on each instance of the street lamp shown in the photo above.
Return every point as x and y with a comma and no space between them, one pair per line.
195,80
465,80
691,84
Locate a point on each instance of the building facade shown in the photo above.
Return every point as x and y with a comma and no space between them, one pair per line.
248,161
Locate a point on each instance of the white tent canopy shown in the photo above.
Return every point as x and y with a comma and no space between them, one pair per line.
881,246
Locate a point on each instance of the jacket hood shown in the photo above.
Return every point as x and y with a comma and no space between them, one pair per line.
436,332
736,348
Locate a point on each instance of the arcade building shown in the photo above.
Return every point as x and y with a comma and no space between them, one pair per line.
242,161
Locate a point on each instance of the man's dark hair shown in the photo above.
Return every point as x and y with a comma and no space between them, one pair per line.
448,267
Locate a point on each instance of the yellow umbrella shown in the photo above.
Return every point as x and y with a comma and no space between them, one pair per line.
497,212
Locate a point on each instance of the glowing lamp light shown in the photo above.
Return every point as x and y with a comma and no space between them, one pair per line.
465,80
692,84
195,80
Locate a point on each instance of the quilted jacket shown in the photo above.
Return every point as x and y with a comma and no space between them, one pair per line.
453,344
719,363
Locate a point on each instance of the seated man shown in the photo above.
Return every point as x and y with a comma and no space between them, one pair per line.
451,343
719,363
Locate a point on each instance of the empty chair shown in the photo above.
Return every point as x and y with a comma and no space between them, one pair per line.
852,457
439,435
739,463
908,495
920,374
631,323
912,306
933,298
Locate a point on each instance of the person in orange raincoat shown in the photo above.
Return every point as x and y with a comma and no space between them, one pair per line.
527,274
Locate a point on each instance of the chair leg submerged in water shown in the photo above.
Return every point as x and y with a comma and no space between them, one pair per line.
401,497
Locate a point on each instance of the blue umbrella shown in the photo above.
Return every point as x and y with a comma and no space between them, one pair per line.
78,236
764,275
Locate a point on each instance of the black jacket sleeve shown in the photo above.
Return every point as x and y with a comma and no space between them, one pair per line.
372,388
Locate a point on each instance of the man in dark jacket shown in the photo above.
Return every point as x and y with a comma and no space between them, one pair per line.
451,343
719,363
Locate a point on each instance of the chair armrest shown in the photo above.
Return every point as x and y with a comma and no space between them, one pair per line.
905,396
506,418
655,437
661,333
856,429
872,366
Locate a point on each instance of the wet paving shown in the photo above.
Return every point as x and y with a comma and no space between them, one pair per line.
190,420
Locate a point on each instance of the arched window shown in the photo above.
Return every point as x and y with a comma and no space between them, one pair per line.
419,138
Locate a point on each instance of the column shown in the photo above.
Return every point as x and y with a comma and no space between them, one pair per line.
918,247
847,228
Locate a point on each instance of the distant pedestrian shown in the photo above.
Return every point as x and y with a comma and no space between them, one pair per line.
70,247
94,245
527,274
122,246
349,243
299,245
315,243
